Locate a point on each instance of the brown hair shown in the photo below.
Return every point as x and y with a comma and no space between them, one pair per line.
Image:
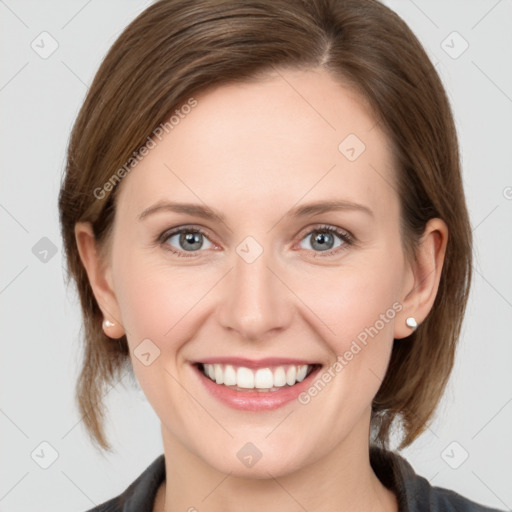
177,47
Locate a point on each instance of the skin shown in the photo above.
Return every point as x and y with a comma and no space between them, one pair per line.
253,151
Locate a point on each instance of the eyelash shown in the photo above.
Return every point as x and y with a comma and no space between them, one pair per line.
347,238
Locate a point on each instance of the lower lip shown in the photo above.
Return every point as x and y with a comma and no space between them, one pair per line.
255,400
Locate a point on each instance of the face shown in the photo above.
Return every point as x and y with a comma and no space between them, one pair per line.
270,284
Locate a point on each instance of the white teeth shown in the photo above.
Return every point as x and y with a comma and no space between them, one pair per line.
301,373
219,374
279,377
291,373
229,376
263,378
244,378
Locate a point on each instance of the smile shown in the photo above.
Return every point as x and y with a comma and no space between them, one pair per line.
264,379
255,386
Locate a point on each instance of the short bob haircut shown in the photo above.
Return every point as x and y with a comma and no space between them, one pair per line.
177,47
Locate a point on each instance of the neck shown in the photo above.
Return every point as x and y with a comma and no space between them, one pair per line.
341,480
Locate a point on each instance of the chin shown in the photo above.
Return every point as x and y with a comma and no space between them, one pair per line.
260,470
256,460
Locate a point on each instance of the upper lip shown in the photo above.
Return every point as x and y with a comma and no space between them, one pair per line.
255,363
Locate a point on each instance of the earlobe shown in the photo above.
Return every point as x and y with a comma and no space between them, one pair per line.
426,269
99,274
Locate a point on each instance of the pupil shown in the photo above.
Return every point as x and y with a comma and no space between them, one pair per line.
191,238
321,239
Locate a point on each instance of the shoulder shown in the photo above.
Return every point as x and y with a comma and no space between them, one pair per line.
112,505
414,492
447,500
140,494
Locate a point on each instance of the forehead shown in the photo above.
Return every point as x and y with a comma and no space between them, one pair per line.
268,142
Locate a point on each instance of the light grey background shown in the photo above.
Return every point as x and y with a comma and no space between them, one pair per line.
40,318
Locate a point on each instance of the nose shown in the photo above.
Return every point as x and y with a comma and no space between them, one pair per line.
256,302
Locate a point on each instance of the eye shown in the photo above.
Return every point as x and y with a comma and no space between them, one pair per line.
189,240
324,242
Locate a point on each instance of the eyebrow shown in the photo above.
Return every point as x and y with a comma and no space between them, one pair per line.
205,212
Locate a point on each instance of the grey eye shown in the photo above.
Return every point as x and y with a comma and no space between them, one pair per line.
189,240
322,240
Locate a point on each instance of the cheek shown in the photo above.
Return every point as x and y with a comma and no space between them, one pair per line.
157,303
355,297
155,296
354,310
358,303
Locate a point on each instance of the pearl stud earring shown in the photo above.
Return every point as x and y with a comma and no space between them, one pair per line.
411,322
107,324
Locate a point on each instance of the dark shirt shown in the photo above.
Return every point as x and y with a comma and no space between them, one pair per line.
414,493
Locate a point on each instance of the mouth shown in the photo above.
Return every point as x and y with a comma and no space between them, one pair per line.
270,378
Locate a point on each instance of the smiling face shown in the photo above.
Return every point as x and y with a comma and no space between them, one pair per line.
269,279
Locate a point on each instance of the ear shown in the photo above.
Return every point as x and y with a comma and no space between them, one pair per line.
421,282
100,278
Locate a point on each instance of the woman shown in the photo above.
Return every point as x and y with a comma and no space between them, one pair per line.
264,215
